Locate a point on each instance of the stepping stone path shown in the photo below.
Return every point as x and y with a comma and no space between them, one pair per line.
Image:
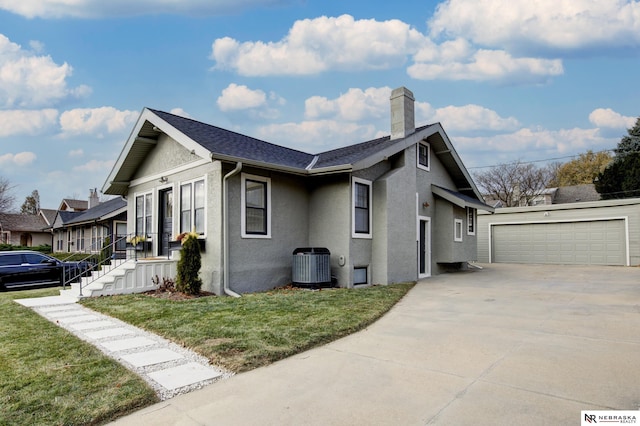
169,368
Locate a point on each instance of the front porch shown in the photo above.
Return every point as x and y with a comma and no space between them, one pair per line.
132,275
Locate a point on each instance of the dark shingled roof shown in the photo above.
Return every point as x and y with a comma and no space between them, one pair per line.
99,211
353,153
225,142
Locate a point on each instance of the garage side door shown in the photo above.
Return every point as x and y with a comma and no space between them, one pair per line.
599,242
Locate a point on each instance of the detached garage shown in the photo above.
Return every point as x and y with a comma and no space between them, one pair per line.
592,233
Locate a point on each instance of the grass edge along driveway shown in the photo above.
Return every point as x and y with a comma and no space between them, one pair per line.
49,376
241,334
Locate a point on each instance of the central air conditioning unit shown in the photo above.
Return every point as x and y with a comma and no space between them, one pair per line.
311,267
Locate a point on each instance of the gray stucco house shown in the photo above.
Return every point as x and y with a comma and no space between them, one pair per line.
393,209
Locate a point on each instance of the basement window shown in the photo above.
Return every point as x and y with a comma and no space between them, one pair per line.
360,275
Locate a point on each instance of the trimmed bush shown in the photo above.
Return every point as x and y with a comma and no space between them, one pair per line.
187,279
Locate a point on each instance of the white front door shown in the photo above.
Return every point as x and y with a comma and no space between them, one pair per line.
424,247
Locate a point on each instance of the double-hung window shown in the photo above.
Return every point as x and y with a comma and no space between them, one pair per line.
471,221
424,156
192,207
256,206
361,208
144,216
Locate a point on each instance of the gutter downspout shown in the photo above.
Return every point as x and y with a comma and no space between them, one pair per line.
225,231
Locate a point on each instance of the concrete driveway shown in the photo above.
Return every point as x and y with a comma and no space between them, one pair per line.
505,345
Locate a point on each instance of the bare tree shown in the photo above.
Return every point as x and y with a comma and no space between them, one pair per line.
514,184
6,197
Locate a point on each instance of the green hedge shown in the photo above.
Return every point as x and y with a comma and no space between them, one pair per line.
44,248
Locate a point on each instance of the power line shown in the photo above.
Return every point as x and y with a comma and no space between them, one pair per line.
539,161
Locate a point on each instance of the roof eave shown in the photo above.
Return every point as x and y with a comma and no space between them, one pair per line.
459,201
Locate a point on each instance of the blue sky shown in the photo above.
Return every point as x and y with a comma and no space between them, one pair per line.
508,80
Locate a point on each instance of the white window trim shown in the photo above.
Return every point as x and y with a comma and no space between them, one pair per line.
144,216
243,223
420,166
457,222
369,184
177,212
473,219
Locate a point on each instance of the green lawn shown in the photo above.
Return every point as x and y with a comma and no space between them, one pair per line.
256,329
50,377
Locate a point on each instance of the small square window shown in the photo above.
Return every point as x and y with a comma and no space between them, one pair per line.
360,275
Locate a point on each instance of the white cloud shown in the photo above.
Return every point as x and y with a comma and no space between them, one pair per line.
466,118
537,143
313,46
101,8
238,97
27,122
31,80
20,159
316,45
76,153
180,112
606,117
356,104
483,65
96,121
95,166
556,24
317,136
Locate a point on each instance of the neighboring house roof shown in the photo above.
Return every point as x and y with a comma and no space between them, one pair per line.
49,215
102,211
576,193
209,142
63,217
75,205
22,222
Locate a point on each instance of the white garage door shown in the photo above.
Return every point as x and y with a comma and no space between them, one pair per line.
599,242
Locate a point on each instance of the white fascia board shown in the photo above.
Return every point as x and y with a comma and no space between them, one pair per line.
458,160
179,137
127,147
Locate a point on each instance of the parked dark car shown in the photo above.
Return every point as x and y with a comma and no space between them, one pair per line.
25,268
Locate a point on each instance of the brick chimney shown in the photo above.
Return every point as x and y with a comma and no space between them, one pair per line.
402,113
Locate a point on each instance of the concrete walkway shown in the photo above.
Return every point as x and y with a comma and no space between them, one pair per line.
170,369
506,345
